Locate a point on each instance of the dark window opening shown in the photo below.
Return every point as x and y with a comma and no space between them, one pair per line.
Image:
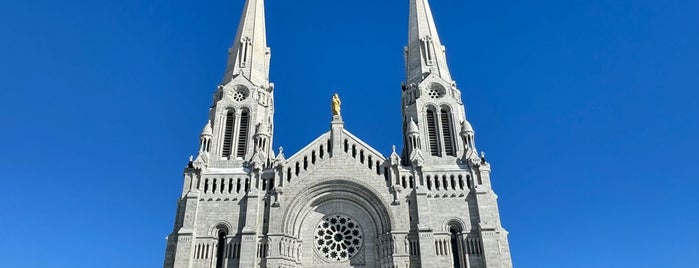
228,134
432,133
243,135
455,247
220,249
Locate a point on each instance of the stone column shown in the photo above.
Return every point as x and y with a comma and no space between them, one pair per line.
336,136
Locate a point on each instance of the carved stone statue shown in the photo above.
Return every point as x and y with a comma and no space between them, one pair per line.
336,103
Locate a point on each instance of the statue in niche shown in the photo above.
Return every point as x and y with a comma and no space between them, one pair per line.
336,103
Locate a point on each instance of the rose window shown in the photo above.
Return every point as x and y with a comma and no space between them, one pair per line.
338,238
240,95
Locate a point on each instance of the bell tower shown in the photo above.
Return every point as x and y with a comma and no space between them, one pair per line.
431,102
241,116
221,212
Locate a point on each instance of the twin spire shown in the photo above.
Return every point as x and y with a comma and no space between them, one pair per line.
425,53
250,55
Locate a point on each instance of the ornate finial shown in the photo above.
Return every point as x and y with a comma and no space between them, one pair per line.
281,150
336,103
191,158
394,148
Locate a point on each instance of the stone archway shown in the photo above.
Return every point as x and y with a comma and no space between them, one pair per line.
365,217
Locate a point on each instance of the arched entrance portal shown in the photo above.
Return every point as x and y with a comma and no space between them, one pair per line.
339,222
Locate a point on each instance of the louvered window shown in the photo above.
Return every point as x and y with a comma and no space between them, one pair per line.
243,135
446,132
432,132
228,134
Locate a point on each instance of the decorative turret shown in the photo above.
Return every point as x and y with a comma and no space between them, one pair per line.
468,136
262,136
205,138
413,135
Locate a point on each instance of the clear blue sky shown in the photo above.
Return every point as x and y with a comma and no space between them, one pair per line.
587,110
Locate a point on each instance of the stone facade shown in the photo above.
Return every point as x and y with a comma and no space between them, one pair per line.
338,202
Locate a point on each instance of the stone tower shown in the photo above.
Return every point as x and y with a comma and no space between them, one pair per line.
338,202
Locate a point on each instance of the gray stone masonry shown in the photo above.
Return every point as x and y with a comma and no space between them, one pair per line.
337,202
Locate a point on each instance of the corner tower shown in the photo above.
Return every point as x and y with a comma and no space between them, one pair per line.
242,112
430,96
439,149
220,212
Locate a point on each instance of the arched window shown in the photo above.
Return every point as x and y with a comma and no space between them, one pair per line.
447,134
243,134
455,246
228,134
432,133
221,249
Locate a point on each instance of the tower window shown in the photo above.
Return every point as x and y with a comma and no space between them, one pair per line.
455,247
446,132
221,249
432,133
244,51
243,134
228,134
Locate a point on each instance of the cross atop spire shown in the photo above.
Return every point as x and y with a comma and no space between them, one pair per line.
250,55
425,53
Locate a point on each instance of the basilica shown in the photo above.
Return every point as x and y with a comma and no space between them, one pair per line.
337,202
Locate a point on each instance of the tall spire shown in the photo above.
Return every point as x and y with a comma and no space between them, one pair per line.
250,55
425,53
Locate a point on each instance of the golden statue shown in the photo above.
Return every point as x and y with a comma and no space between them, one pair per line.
336,104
